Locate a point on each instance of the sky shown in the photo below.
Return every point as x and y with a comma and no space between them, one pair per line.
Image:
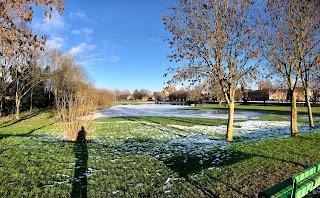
118,42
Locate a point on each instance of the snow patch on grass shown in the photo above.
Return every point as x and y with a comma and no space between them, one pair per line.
251,129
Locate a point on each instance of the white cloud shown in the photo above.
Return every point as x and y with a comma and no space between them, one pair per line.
88,62
78,15
55,42
84,32
81,48
54,25
91,60
90,56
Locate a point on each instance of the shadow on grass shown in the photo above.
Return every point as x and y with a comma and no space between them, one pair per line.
186,165
22,118
29,133
79,185
189,164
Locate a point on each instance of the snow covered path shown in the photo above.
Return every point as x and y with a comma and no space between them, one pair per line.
169,111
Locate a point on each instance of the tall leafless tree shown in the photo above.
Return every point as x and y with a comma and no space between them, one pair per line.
290,33
214,40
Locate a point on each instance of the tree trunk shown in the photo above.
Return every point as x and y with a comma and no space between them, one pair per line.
229,136
294,114
1,106
49,98
56,99
244,95
311,124
31,100
17,106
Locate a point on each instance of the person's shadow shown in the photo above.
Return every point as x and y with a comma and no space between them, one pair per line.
79,186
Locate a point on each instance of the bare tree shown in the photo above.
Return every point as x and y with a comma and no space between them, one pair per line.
21,63
309,69
4,76
116,93
290,31
309,47
213,90
195,94
17,44
215,41
140,94
144,93
23,80
104,97
136,94
77,99
159,95
24,9
265,86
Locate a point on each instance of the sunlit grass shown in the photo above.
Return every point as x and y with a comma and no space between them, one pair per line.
144,157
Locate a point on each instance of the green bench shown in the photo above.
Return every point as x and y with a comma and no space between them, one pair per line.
296,186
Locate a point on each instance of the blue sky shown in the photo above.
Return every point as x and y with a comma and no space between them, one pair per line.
118,42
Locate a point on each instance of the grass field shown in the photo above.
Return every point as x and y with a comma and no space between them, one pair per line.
147,157
280,110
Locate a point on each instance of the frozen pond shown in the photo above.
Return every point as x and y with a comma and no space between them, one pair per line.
170,111
196,136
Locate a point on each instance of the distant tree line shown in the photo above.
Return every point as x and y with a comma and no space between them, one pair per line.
142,94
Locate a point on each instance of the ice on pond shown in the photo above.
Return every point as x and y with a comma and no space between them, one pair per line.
169,111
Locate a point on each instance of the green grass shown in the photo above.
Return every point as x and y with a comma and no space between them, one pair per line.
144,157
262,166
280,110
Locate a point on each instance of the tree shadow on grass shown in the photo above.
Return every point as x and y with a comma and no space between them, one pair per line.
29,133
187,164
22,118
79,185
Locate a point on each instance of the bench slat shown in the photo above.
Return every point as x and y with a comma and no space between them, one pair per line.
300,185
307,186
283,189
305,174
